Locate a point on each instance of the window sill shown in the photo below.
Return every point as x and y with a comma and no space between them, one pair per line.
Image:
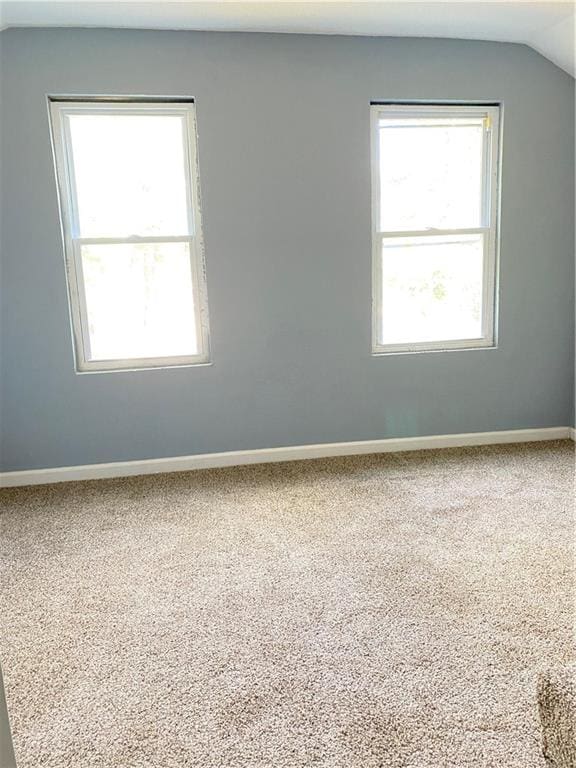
136,369
419,351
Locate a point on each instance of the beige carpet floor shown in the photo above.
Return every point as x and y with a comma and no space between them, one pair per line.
389,611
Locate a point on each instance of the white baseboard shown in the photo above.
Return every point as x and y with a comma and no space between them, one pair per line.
267,455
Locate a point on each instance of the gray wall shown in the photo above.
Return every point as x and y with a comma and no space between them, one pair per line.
284,162
7,759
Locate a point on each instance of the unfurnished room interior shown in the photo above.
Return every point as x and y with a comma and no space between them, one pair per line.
287,346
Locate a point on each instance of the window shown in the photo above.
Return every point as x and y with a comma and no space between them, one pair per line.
435,206
128,184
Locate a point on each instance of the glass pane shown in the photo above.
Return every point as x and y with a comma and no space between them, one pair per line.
139,300
431,289
430,174
129,174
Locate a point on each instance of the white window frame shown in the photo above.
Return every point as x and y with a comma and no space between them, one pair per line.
60,109
489,220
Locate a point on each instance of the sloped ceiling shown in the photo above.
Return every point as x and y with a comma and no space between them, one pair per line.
548,27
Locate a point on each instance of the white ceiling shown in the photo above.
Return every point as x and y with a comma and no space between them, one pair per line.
548,27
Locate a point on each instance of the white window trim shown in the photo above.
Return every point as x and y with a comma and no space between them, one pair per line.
60,108
490,221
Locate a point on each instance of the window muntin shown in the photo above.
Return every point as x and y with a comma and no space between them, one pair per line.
128,182
435,172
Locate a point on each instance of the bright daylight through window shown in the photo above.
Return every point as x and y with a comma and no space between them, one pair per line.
435,206
128,182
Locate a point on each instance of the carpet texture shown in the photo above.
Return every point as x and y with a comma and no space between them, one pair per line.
557,705
380,611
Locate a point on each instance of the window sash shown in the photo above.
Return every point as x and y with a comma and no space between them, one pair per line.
488,230
73,242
